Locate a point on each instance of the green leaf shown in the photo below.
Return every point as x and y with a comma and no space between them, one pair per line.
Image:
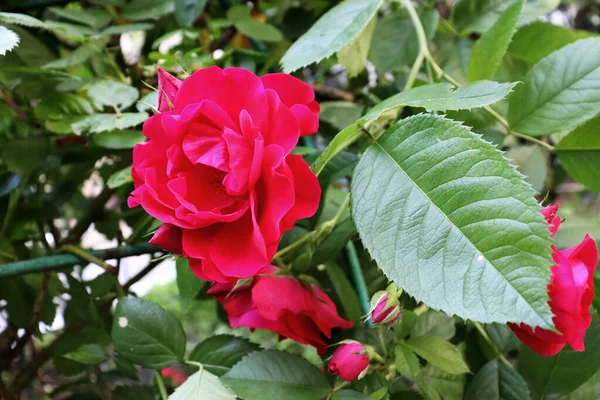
334,242
96,123
93,18
102,284
560,92
395,42
119,178
439,353
120,29
531,162
221,352
444,96
489,50
435,323
340,114
347,394
407,323
80,55
21,19
187,11
275,375
188,283
139,10
90,354
118,139
57,105
447,219
480,15
407,362
564,372
353,56
502,336
439,385
8,40
329,34
112,94
345,291
202,385
587,391
497,381
579,154
146,334
258,30
36,149
238,12
342,140
537,40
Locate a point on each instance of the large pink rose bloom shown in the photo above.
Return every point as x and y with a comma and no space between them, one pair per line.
217,168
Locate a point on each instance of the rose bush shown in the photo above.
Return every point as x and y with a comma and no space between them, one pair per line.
217,168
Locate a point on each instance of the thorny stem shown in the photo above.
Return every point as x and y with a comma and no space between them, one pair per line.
424,51
337,388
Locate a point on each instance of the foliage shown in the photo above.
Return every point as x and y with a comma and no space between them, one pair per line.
444,126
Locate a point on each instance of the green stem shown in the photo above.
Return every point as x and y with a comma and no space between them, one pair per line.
359,280
68,260
161,385
337,388
295,246
487,338
382,341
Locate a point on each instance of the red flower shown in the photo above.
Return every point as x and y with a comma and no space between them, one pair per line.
349,361
282,304
177,376
571,292
217,168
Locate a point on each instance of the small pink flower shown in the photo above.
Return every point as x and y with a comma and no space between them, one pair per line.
350,361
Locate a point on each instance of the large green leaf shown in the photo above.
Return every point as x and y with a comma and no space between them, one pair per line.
119,139
202,385
450,221
579,154
275,375
489,50
8,40
395,43
439,353
564,372
480,15
497,381
146,334
187,11
537,40
444,96
221,352
335,29
560,92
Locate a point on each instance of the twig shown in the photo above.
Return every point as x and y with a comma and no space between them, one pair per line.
142,273
331,93
12,104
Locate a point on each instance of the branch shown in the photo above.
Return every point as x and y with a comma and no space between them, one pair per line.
68,260
84,223
330,93
143,273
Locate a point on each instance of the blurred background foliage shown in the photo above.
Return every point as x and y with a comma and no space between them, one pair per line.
73,96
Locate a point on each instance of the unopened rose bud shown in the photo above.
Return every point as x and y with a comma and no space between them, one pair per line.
350,361
385,308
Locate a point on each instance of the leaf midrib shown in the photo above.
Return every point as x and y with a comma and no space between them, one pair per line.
461,232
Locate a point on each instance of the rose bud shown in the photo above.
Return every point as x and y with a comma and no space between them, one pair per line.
177,377
571,291
385,307
350,361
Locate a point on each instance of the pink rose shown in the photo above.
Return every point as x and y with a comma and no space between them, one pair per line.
350,361
217,168
571,292
284,305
